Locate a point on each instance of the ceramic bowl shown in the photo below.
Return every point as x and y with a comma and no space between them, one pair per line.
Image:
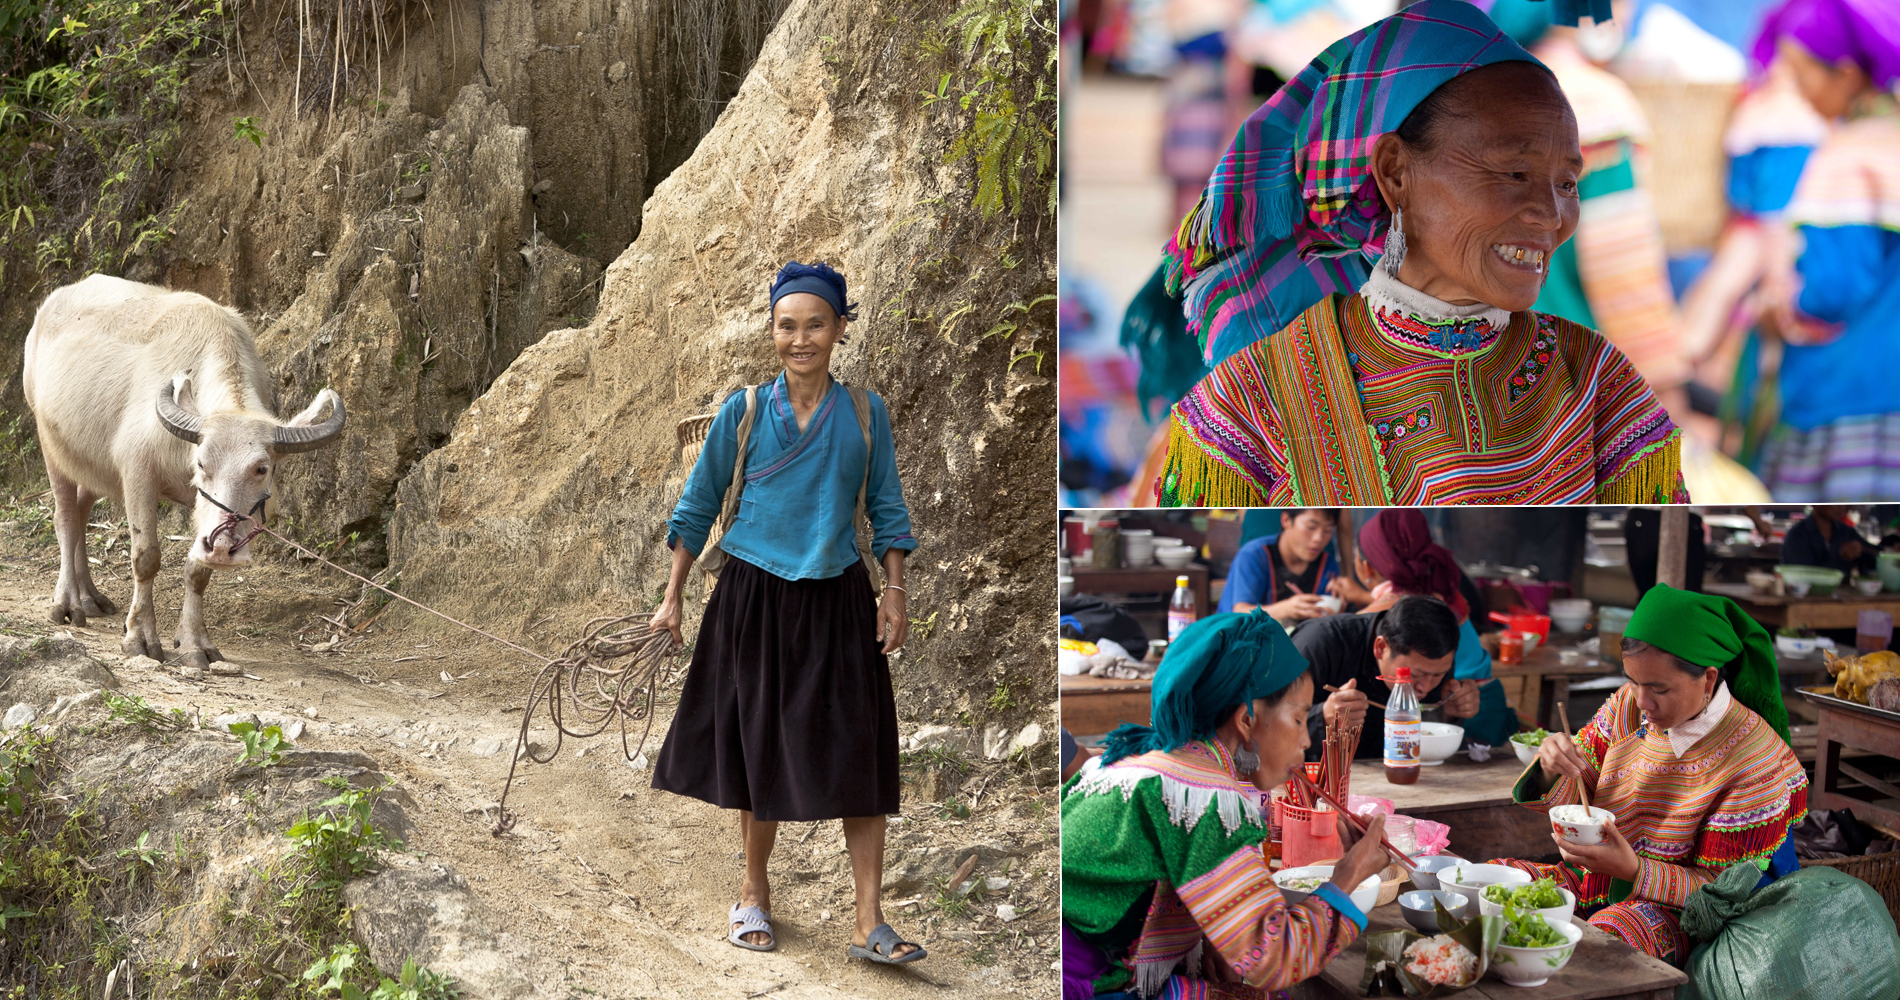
1175,556
1570,613
1821,581
1425,870
1437,741
1759,581
1332,603
1065,585
1469,879
1869,587
1535,966
1573,824
1525,754
1796,647
1887,564
1553,915
1423,915
1363,897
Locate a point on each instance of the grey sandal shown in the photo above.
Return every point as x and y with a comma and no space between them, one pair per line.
882,942
750,920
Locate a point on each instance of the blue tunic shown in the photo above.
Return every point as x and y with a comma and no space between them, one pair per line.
1851,276
801,489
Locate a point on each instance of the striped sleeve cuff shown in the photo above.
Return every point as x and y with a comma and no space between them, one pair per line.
1336,898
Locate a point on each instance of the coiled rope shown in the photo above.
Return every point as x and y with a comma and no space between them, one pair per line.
584,677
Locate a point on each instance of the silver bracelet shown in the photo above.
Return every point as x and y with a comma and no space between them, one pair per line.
893,586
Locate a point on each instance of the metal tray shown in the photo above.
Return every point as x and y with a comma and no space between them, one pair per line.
1819,698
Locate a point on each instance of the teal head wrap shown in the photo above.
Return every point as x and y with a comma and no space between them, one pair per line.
1217,663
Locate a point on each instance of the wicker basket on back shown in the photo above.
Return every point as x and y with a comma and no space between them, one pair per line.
692,437
1688,171
1882,871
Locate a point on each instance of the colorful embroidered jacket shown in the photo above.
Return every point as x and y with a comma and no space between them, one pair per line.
1161,856
1730,799
1340,409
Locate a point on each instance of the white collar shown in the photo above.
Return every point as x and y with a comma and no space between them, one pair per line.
1683,738
1388,294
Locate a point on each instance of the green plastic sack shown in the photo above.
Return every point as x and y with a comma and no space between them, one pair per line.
1815,934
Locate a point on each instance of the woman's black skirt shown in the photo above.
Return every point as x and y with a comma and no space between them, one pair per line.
787,708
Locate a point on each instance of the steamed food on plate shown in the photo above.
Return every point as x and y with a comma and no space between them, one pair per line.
1441,961
1856,676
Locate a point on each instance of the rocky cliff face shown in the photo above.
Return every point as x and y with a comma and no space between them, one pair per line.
418,211
550,496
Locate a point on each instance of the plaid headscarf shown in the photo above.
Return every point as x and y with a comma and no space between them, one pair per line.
1291,214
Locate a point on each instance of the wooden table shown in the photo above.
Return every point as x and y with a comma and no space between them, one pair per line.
1473,799
1846,725
1839,610
1549,681
1147,579
1602,968
1092,705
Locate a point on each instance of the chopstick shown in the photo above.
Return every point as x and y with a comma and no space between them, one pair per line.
1377,705
1404,862
1581,794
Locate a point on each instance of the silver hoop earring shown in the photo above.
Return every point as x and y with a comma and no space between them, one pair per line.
1246,761
1395,243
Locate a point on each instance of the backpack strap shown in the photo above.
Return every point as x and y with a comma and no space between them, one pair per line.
861,403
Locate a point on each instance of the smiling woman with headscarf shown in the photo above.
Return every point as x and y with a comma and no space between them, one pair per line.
1435,144
1165,889
1693,758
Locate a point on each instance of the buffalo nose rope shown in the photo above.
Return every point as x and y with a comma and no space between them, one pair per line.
583,684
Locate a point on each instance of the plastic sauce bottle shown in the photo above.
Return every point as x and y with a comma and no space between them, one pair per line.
1180,608
1402,731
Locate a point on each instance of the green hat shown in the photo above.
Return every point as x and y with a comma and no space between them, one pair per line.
1217,663
1709,630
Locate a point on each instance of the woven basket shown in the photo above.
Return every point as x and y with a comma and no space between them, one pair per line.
1882,871
692,437
1688,171
1391,880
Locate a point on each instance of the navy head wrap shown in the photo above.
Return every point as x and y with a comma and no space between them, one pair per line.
1218,663
818,279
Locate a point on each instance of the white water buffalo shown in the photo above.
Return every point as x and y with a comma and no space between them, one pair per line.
140,394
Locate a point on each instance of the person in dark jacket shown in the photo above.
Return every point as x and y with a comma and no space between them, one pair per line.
1361,655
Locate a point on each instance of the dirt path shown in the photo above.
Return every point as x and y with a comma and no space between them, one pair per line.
610,888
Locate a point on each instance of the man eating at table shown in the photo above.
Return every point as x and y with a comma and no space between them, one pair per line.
1360,656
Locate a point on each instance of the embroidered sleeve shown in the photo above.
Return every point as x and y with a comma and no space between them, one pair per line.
1638,448
1224,445
1612,722
1265,942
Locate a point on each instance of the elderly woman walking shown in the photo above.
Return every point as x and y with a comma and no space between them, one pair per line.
1434,142
787,712
1165,890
